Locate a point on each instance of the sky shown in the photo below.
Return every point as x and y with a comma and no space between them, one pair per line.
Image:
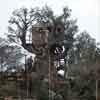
86,11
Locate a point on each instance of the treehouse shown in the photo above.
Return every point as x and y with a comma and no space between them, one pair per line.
52,38
51,35
48,41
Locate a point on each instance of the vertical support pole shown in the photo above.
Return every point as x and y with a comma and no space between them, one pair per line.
26,72
96,89
49,73
50,78
97,78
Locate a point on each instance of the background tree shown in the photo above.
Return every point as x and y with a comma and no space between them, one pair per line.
82,67
84,46
20,23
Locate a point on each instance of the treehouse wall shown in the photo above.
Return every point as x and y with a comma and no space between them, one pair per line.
39,36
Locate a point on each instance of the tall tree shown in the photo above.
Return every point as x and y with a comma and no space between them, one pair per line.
46,16
86,46
20,22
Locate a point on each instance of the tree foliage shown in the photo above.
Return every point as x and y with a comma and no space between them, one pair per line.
21,22
23,19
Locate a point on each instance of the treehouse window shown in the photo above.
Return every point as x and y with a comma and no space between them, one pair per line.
49,29
58,29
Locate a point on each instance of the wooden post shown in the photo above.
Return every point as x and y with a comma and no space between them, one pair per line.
96,89
26,74
49,74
